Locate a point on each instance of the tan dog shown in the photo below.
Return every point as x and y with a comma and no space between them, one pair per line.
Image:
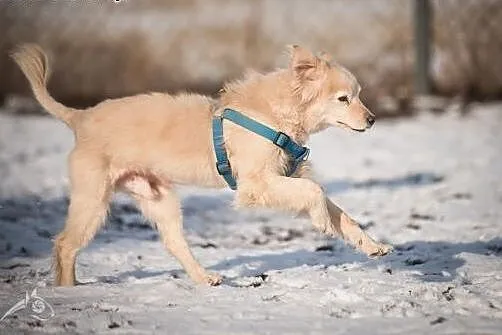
147,144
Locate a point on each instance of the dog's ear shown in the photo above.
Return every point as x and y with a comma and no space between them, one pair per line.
305,64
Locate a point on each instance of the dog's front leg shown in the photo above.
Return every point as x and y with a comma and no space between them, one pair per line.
290,194
351,232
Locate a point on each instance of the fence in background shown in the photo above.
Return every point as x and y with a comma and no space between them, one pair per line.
423,42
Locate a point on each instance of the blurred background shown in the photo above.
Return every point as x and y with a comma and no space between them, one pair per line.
428,183
397,48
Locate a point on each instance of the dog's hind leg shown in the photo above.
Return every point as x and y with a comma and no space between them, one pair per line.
90,192
351,232
165,211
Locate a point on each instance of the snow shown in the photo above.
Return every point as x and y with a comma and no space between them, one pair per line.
430,185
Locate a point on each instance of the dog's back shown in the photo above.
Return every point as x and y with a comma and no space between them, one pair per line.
158,131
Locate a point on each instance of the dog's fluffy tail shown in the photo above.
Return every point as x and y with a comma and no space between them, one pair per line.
32,60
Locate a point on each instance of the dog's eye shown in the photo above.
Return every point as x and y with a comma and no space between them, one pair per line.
343,98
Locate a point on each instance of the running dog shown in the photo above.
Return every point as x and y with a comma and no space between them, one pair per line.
147,144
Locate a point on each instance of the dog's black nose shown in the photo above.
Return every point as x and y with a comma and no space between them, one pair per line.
370,120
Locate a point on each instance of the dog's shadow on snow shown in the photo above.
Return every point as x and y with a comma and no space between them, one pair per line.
410,180
27,226
136,274
427,261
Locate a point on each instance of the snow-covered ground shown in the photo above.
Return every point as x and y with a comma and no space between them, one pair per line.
430,185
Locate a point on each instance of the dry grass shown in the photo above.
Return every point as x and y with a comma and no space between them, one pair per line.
105,49
469,48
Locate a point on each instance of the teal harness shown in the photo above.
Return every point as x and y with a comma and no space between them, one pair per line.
297,152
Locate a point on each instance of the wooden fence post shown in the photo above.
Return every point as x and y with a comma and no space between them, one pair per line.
423,42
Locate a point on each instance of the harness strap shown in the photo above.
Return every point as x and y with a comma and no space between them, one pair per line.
222,163
283,141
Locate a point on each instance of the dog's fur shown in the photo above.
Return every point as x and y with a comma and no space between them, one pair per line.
147,144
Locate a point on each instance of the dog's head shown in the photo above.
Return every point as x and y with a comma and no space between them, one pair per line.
331,92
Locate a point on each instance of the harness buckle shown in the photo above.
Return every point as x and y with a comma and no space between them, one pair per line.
223,167
281,140
305,155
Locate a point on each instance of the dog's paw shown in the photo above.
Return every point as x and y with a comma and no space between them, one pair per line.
212,279
379,249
